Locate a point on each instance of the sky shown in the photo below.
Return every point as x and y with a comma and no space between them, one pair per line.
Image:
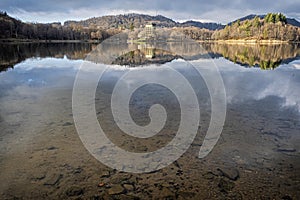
221,11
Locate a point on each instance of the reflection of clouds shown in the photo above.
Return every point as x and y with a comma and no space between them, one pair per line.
241,83
44,63
252,83
295,64
41,72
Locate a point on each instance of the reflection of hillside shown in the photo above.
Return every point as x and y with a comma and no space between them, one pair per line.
11,54
117,46
266,57
106,52
263,56
145,56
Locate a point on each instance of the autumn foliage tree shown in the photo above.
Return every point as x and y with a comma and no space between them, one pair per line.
271,27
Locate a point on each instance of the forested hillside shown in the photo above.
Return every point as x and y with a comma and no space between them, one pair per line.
15,29
263,27
271,27
138,20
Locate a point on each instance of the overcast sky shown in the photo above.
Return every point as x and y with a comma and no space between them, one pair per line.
222,11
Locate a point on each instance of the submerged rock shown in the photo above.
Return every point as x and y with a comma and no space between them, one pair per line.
116,189
104,174
286,149
67,124
209,175
166,193
128,187
52,148
225,186
74,191
231,173
53,179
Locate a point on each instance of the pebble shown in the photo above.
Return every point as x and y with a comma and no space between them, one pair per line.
101,184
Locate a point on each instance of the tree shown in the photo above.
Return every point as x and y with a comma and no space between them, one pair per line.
131,27
256,21
274,18
265,34
277,18
267,18
282,18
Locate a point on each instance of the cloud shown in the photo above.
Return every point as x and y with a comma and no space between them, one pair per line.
222,11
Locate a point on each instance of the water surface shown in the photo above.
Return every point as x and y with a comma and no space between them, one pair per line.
41,155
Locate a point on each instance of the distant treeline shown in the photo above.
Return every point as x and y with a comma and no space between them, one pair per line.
197,33
272,27
13,28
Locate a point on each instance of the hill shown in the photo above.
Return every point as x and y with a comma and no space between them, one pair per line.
123,21
273,26
137,20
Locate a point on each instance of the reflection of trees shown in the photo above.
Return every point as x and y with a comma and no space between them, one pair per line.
269,64
11,54
167,40
264,56
142,57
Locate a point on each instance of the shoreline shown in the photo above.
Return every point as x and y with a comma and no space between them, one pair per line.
231,41
252,41
17,41
249,41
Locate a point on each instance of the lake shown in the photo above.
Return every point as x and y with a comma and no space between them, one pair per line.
257,155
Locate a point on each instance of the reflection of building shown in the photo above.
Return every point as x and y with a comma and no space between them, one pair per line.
149,53
148,50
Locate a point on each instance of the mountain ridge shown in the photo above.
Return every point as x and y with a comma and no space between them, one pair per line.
125,20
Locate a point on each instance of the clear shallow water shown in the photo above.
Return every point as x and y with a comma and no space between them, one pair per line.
42,155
